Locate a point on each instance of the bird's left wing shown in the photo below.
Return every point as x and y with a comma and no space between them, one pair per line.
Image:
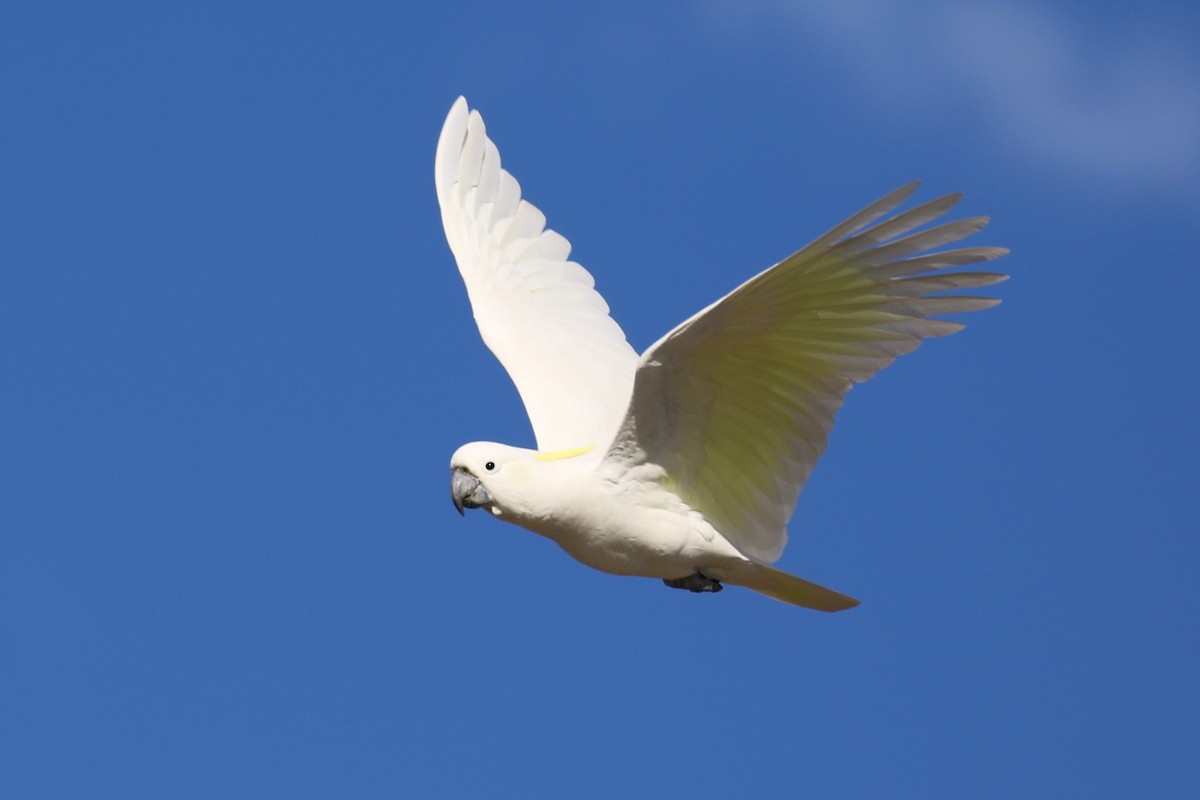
736,403
537,311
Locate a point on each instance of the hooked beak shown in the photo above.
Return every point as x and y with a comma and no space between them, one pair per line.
466,491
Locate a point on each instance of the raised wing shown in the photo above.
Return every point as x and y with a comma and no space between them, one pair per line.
736,404
536,311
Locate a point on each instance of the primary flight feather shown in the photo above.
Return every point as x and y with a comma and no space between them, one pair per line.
684,464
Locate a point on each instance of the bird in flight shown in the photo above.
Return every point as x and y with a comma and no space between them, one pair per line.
684,463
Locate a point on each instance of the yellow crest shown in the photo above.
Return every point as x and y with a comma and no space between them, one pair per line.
559,455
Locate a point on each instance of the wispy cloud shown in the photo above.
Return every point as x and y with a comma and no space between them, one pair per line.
1121,107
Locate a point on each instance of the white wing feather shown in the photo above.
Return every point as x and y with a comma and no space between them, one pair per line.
536,310
736,403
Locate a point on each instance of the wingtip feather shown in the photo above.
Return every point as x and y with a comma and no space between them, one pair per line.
449,145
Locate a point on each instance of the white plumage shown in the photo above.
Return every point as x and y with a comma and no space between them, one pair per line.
684,464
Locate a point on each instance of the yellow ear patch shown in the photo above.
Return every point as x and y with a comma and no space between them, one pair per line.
559,455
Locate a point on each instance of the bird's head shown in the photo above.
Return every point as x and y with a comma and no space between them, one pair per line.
482,474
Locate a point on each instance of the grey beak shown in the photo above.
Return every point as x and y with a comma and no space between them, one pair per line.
466,491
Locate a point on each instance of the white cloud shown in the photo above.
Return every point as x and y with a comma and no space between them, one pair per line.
1123,107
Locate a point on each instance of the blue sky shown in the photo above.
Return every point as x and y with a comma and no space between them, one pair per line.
237,356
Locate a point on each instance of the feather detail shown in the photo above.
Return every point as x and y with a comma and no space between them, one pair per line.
536,310
736,403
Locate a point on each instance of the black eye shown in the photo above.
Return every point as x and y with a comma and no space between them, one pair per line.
489,466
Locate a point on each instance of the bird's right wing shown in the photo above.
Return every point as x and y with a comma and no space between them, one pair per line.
536,310
736,403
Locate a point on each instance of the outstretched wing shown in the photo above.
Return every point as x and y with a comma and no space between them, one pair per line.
736,404
537,311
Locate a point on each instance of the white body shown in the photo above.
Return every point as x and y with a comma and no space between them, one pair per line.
687,460
618,520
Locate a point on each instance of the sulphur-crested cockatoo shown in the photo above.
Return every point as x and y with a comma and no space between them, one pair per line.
684,463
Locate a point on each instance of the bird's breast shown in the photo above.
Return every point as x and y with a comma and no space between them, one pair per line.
624,527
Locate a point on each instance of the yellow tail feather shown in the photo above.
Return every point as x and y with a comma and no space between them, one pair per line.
788,588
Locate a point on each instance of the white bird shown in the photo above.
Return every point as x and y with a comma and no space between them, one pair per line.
684,464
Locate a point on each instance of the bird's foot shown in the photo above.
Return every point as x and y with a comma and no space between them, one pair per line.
694,583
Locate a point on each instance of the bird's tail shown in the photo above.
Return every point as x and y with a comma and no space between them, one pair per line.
787,588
